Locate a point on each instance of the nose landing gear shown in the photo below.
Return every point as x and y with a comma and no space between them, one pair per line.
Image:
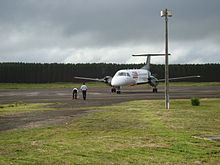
116,90
113,90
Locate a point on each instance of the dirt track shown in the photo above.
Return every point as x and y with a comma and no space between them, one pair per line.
96,97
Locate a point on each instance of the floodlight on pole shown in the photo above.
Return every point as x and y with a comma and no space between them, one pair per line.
166,13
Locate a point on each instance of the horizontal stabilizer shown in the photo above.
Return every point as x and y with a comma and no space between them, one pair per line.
150,54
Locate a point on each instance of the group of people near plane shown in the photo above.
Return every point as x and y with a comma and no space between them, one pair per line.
83,88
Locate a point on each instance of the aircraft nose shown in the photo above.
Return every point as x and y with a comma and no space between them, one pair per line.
113,82
116,81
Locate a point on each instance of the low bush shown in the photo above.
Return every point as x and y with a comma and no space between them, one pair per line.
195,101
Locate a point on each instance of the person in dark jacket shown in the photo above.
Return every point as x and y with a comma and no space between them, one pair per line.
75,91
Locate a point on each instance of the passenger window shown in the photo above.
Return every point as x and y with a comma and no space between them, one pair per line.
128,75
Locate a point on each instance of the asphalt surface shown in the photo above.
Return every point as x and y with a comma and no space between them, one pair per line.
100,96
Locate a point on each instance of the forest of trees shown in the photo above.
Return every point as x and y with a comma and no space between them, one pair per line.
48,73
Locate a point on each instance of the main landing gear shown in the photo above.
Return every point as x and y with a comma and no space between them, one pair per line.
116,90
154,90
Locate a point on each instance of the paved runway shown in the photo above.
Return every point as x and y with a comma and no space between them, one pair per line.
100,96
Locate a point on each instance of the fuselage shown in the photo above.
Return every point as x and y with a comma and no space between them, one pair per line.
128,77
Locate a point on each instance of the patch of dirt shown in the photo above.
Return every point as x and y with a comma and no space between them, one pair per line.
210,137
39,119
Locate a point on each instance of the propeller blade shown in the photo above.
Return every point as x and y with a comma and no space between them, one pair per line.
92,79
179,78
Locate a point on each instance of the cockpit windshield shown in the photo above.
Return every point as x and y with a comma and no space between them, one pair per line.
123,74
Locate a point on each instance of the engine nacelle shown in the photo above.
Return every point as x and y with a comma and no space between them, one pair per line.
153,81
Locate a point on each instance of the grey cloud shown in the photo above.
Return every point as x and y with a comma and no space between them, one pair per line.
37,26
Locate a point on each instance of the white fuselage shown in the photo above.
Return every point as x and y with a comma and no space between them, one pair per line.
130,77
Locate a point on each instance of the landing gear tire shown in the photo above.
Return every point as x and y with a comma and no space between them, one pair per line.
113,90
118,90
154,90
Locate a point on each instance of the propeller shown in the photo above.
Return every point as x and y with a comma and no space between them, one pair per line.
153,81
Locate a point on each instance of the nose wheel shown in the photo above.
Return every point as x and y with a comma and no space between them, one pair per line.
113,90
116,90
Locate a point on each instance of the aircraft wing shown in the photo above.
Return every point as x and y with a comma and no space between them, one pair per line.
179,78
91,79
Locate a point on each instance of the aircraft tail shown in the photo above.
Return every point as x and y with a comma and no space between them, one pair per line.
147,65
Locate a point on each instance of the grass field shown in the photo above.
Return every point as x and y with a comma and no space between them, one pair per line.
90,84
137,132
48,85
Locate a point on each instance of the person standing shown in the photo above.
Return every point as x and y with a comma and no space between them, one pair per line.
75,91
84,90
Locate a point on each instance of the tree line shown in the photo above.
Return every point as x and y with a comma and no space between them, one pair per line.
56,72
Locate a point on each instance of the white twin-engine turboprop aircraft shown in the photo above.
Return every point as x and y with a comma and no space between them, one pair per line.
130,77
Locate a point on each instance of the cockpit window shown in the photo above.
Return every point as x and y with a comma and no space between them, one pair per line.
122,74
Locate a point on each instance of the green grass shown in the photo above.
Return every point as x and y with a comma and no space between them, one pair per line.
48,85
90,84
137,132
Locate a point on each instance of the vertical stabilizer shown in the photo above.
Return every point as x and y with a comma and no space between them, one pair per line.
147,65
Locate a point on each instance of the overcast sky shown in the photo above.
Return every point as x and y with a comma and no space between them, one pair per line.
110,31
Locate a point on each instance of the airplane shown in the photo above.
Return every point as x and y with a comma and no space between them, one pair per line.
131,77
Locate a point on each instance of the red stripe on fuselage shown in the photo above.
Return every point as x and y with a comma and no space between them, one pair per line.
135,75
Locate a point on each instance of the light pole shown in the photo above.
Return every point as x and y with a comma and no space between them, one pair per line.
166,13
